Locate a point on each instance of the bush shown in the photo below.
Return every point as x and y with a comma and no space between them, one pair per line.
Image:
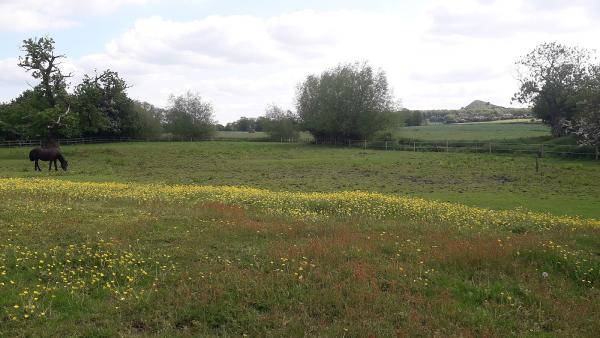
281,124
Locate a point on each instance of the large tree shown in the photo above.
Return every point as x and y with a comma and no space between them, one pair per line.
348,101
44,110
103,105
40,59
189,115
586,123
551,77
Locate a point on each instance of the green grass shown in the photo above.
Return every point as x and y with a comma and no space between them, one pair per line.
244,135
108,266
484,131
498,182
214,269
241,135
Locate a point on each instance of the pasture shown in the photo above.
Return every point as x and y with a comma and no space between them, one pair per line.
500,131
242,135
491,181
252,238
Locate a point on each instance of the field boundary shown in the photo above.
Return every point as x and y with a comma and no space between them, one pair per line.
96,140
541,150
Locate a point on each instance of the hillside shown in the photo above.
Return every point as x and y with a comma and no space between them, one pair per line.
481,105
476,111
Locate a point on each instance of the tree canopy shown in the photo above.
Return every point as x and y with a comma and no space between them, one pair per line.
99,105
586,122
280,123
348,101
551,78
189,115
103,105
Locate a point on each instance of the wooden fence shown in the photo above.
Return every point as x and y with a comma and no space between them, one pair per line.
540,150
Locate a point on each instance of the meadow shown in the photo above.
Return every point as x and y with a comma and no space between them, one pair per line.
499,131
561,187
268,239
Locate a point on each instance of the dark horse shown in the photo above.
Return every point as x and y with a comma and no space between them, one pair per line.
49,154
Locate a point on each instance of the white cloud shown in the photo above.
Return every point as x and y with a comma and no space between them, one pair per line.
12,79
242,63
444,56
29,15
508,18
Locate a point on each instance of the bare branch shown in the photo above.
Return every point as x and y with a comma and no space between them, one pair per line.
57,123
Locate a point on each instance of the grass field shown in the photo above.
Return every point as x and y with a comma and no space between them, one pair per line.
244,135
501,131
498,182
241,135
172,251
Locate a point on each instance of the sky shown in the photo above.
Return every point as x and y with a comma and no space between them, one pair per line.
245,55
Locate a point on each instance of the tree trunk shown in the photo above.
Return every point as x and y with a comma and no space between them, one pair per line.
557,130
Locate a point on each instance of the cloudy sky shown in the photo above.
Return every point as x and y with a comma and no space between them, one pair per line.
244,55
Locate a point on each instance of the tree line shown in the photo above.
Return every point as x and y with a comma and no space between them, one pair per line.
349,101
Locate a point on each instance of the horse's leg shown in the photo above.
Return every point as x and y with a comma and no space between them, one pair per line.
37,166
55,167
50,167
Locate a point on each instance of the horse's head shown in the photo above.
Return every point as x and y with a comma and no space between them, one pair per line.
64,164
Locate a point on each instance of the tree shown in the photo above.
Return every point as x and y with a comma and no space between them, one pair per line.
147,119
44,66
43,111
260,122
245,124
586,126
586,123
414,118
189,116
348,101
280,124
551,77
103,105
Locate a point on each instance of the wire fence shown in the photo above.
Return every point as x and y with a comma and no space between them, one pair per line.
96,140
541,150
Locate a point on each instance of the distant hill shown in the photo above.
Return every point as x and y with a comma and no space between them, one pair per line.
476,111
481,105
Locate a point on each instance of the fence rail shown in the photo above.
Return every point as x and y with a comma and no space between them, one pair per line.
540,150
94,140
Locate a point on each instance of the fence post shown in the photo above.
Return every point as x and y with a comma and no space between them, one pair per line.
365,144
597,152
386,145
415,145
490,147
447,148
